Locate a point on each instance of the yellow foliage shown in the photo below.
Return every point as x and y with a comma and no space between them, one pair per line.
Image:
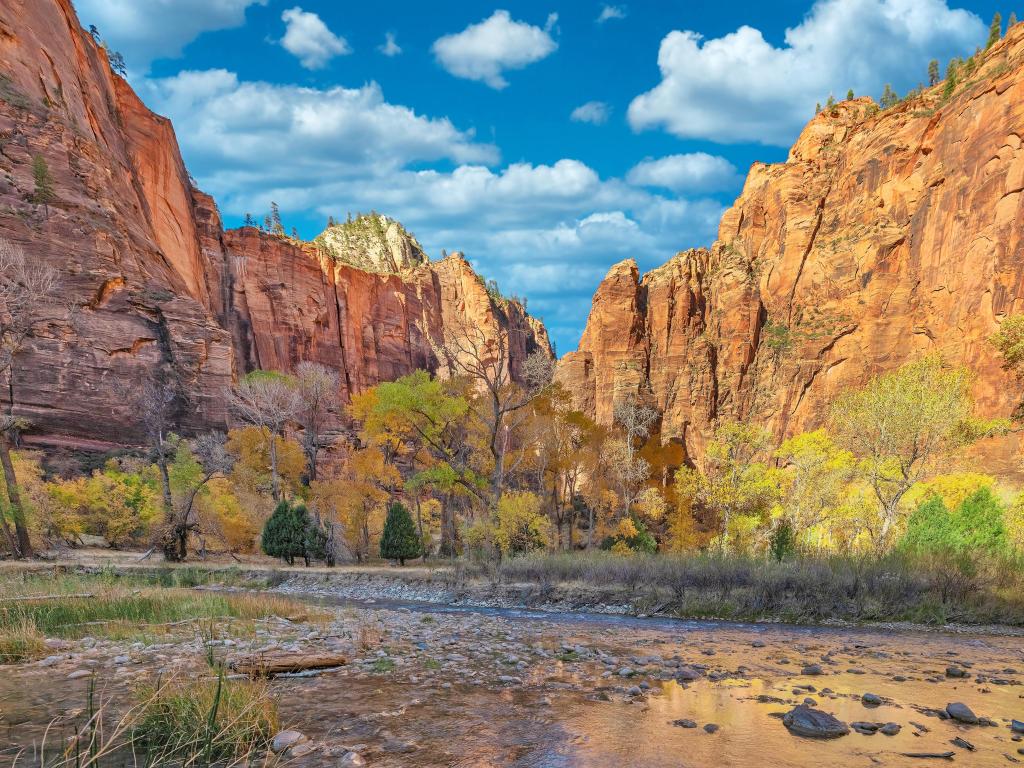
650,505
356,499
682,533
221,514
626,529
251,448
519,525
117,505
953,488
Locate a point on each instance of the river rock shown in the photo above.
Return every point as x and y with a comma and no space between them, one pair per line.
956,672
79,674
1017,726
711,728
813,669
814,724
961,713
352,760
286,740
687,674
685,723
890,729
871,699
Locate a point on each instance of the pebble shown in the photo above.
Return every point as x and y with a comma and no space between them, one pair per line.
285,740
871,699
352,760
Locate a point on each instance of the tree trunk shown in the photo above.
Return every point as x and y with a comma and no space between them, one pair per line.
419,522
275,483
8,535
17,511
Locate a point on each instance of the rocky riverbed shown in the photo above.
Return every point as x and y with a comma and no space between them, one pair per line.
433,686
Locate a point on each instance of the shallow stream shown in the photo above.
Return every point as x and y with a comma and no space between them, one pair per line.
437,686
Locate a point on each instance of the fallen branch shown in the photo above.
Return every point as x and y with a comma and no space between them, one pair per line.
929,755
269,664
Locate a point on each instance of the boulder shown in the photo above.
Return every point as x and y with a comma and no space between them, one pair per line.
814,724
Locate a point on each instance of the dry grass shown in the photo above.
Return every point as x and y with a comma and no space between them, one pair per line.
889,588
119,608
178,722
21,641
219,721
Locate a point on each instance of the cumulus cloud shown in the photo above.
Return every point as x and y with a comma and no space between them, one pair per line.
268,135
146,30
693,172
548,231
484,51
740,87
308,39
389,47
594,112
610,12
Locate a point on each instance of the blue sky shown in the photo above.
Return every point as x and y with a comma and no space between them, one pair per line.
546,140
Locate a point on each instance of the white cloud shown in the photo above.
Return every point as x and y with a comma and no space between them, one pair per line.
389,47
546,231
146,30
309,40
610,12
595,112
742,88
693,172
483,51
269,136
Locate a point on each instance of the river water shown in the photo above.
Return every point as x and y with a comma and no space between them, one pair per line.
436,686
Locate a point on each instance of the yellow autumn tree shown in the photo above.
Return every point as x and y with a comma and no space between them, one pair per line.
356,498
250,447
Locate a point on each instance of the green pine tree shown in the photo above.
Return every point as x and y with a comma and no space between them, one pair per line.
933,72
44,193
275,219
399,540
831,102
284,532
249,221
1011,21
995,31
782,542
849,95
889,97
952,78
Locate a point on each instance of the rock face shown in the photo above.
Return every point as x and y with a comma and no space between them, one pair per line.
149,277
882,237
290,303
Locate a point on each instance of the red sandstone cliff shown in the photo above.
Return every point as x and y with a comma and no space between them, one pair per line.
150,276
882,236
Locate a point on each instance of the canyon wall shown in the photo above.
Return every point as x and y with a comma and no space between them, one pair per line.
148,276
884,236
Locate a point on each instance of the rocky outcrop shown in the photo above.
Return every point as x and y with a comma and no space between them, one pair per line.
373,242
884,235
293,302
149,278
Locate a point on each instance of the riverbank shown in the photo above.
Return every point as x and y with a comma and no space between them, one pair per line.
881,594
425,685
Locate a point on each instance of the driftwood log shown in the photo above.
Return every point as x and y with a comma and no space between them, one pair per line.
270,664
